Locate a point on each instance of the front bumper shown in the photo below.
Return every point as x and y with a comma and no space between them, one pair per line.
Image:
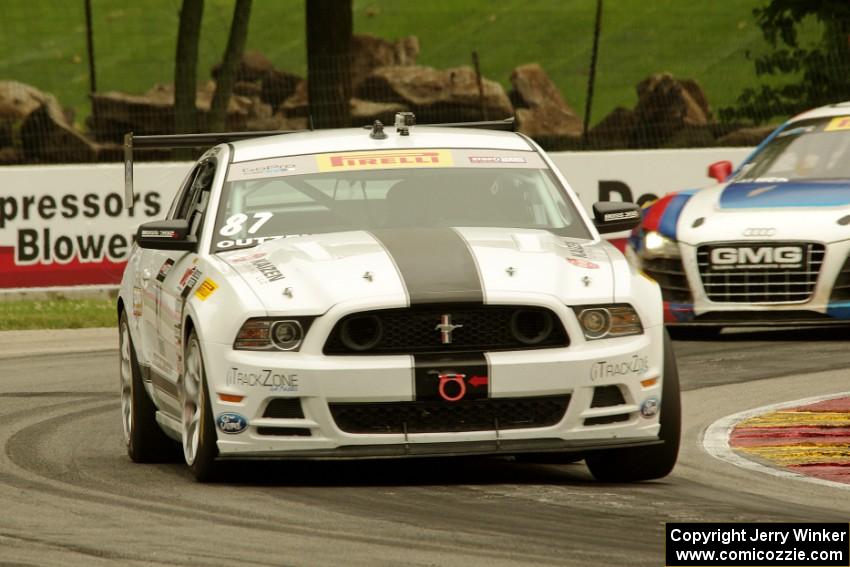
316,381
686,302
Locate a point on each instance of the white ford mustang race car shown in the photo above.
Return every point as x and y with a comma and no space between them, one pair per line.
770,245
355,293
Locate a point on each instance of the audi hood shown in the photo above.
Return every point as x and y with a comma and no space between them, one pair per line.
772,210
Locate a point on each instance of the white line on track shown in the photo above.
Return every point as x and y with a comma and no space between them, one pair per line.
716,441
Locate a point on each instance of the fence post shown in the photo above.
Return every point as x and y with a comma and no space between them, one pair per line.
592,78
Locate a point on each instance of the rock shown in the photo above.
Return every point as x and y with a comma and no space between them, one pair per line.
277,86
365,112
746,137
10,156
247,88
369,52
297,105
532,88
436,95
692,137
115,113
19,100
35,126
46,136
540,108
665,106
615,131
254,66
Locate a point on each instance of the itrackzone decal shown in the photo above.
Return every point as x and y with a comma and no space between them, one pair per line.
635,366
274,380
58,228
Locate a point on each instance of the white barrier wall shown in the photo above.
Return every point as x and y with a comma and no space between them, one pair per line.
640,176
64,225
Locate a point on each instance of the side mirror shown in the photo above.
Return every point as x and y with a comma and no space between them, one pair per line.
613,216
720,170
166,235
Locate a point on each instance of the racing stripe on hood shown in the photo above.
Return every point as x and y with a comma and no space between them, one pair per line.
663,215
435,264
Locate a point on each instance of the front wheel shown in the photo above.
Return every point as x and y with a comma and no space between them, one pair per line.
198,430
656,461
145,441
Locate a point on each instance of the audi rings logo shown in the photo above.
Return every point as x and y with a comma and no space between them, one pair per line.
760,232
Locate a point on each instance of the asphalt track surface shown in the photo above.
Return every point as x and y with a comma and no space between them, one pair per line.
70,496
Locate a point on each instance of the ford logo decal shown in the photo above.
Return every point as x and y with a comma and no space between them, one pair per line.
231,423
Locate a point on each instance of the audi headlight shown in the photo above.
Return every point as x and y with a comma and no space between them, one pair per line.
272,333
607,321
656,245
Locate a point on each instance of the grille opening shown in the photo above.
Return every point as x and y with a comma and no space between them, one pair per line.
752,283
670,275
606,419
414,330
841,287
284,431
361,333
438,417
531,327
284,408
607,396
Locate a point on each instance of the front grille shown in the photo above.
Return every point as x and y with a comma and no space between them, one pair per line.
760,272
439,417
841,288
607,419
284,408
414,330
670,275
285,431
607,396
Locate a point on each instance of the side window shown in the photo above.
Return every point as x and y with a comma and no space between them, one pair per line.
198,197
184,193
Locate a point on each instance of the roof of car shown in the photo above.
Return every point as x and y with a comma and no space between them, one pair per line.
358,139
837,109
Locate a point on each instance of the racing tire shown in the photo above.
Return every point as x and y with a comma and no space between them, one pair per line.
145,440
656,461
701,333
198,435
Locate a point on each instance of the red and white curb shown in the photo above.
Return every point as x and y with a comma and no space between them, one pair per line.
716,440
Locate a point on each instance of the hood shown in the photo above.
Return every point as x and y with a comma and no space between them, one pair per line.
399,267
780,210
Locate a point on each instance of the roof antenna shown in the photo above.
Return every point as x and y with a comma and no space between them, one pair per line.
310,118
378,131
403,121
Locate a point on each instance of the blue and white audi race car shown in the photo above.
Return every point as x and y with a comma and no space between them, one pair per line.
769,245
358,293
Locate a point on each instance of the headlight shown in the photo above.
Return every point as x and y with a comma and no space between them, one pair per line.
607,321
656,245
271,333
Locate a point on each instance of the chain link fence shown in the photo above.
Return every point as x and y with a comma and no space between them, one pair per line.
667,74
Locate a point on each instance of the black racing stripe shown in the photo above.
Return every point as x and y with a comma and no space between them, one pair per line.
435,264
163,385
470,367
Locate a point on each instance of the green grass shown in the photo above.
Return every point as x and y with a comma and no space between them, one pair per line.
43,43
57,314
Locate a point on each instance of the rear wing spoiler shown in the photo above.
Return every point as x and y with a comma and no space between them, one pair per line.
177,141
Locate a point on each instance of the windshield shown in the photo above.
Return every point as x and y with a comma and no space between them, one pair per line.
809,149
323,193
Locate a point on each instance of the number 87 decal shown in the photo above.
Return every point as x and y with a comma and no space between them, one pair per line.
235,223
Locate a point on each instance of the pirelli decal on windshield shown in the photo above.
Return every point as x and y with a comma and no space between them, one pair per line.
384,160
840,123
